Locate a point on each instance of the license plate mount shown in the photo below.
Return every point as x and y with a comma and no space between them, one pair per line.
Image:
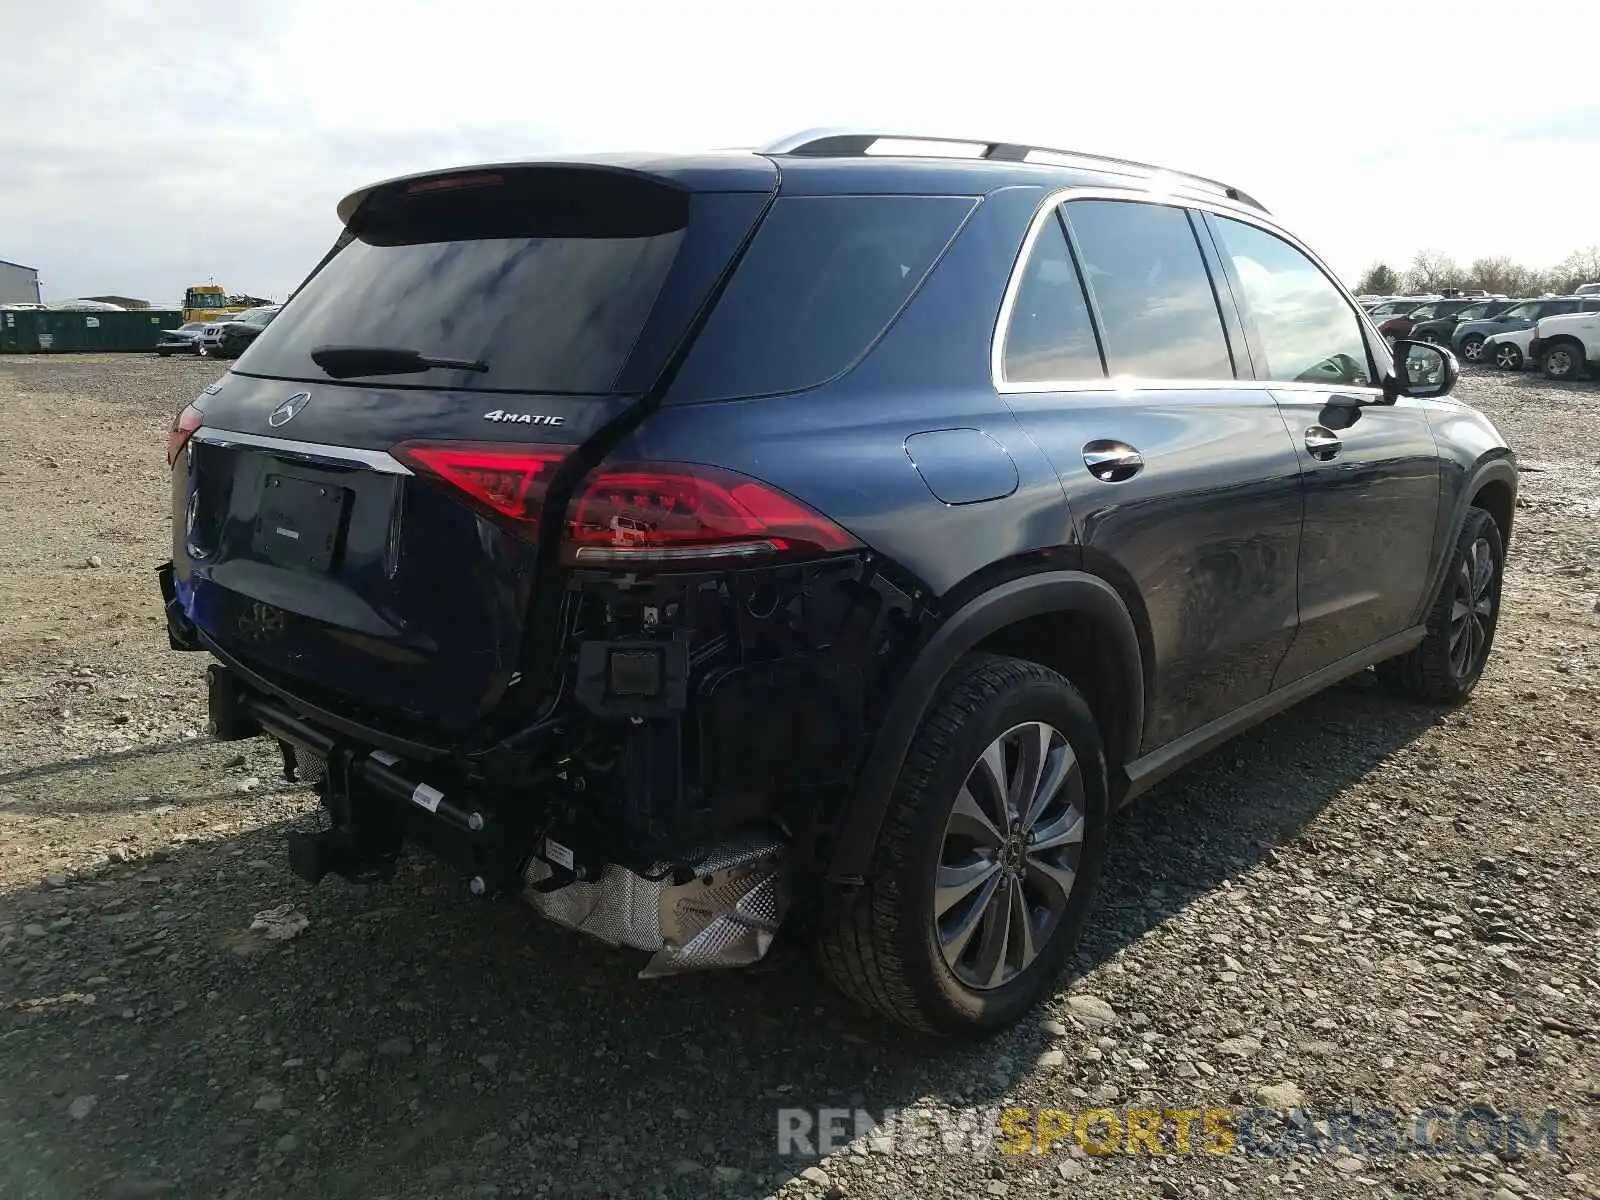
300,522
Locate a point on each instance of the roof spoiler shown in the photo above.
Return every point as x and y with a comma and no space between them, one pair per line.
840,143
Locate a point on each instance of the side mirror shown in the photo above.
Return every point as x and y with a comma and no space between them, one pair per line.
1421,369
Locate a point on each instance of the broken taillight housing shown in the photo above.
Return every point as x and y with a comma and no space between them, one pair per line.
633,514
637,515
183,427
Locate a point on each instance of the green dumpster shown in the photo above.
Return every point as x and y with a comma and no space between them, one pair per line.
50,331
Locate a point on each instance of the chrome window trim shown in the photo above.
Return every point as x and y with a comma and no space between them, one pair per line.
373,460
1127,385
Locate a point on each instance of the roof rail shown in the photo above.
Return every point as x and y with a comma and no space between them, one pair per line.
829,143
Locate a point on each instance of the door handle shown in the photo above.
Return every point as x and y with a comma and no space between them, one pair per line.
1112,462
1322,443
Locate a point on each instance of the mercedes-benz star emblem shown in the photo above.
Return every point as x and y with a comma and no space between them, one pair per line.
289,409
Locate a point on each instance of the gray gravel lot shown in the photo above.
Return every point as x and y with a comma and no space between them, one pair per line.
1361,904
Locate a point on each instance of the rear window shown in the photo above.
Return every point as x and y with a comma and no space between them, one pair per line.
547,276
823,279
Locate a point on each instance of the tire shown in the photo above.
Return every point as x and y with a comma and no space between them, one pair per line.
1472,347
886,946
163,353
1506,356
1436,670
201,351
1562,361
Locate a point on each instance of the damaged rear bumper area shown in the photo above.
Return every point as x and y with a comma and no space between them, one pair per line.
718,907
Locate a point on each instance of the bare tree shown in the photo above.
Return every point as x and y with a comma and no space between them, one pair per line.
1432,271
1504,276
1577,268
1379,280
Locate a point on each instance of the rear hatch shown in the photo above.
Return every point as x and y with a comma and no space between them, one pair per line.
358,516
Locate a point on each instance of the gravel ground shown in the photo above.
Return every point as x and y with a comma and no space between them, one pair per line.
1361,904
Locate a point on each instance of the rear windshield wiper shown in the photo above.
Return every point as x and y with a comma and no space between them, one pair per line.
345,362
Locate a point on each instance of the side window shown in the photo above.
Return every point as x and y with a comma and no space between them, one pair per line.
1158,314
1307,332
1050,336
1557,307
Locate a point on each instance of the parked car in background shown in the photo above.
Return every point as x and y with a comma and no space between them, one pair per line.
185,339
1401,324
1438,329
1508,351
523,532
228,338
1398,306
1567,347
1469,336
1587,289
234,336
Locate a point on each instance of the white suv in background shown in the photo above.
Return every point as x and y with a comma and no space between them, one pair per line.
1565,347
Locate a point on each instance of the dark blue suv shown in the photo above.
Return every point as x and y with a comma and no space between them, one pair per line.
832,536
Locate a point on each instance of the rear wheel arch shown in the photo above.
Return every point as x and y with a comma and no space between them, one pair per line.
1021,617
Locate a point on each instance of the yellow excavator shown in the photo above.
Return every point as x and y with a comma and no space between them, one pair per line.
208,302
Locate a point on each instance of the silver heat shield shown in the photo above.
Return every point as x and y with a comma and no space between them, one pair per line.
726,916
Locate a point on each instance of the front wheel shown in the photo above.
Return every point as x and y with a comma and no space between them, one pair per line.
1446,664
1472,347
1507,357
1562,361
983,871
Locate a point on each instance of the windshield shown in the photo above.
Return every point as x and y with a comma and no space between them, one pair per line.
546,276
1472,311
1423,313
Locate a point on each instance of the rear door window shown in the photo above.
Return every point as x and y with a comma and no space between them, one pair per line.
821,282
547,276
1050,337
1158,314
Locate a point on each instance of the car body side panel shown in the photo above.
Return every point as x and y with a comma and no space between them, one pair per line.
1370,520
1207,535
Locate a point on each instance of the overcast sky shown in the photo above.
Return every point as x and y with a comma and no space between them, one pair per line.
148,146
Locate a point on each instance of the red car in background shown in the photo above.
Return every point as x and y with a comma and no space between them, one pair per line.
1399,327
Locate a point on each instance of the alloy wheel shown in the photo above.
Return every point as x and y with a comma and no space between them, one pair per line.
1010,856
1472,609
1507,358
1472,349
1558,362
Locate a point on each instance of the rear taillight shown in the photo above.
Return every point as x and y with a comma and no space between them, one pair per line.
183,427
507,481
636,515
644,514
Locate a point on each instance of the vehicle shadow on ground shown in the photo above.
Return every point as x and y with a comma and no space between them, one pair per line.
416,1042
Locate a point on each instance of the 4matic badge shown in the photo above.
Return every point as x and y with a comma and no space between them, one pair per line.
500,414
